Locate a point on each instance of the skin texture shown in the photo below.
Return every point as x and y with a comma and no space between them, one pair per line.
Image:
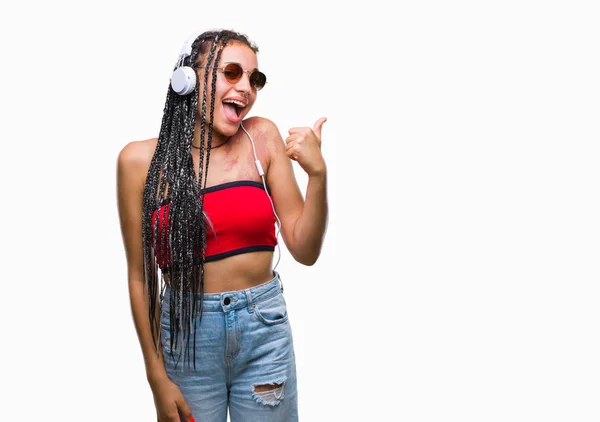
303,220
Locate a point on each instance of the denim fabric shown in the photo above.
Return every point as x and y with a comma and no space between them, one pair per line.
243,339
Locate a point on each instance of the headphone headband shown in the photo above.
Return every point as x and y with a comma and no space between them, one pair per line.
183,80
186,50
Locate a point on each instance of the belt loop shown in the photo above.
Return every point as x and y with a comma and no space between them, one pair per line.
250,302
280,281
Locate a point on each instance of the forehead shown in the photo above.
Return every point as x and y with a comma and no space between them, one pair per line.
239,53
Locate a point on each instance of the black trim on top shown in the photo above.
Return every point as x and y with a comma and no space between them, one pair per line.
232,184
239,251
226,185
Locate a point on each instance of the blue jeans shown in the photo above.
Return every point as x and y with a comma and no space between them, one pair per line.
243,340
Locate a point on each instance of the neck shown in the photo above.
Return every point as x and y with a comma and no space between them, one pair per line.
217,138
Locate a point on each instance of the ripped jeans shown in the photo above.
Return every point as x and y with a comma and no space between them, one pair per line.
244,357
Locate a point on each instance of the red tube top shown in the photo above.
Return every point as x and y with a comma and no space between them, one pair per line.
242,218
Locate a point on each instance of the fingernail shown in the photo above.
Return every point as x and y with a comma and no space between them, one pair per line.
192,419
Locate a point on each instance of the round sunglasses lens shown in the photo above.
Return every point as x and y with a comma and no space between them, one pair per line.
258,79
233,72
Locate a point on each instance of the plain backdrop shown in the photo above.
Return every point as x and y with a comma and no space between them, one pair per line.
459,278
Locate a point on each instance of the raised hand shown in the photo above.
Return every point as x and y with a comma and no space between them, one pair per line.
304,146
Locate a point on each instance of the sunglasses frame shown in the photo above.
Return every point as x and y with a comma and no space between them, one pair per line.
249,72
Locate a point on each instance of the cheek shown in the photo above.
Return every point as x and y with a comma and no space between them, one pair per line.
220,89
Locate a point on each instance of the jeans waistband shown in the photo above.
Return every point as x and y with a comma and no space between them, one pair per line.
238,299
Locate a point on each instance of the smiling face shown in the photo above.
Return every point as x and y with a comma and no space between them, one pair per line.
233,101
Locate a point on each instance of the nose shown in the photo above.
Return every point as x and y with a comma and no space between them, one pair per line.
243,85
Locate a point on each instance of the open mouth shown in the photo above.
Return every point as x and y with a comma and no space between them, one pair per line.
233,109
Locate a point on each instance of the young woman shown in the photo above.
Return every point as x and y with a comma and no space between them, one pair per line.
200,209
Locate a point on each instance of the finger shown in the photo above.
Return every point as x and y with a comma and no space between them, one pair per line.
290,140
185,411
296,130
171,418
292,153
295,146
318,125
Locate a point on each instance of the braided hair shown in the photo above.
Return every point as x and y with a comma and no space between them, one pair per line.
172,179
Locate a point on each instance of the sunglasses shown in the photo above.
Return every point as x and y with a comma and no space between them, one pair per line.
233,73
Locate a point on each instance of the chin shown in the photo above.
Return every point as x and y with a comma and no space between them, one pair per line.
227,129
231,129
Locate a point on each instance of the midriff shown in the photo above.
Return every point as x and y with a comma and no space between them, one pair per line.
237,272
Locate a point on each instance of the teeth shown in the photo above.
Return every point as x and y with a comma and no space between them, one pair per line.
237,103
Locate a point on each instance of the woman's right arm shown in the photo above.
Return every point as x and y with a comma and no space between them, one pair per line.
132,167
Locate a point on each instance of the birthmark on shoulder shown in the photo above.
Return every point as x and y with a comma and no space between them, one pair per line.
230,164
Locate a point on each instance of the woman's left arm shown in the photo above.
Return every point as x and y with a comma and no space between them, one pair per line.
303,221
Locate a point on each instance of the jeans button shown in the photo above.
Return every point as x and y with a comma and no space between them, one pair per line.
226,301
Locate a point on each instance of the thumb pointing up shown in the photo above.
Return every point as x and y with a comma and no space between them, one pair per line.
318,125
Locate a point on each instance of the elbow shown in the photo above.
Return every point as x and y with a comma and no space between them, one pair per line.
308,262
309,258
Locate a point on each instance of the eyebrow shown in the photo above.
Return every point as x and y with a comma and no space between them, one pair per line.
224,63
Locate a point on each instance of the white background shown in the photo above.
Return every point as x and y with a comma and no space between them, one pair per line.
459,278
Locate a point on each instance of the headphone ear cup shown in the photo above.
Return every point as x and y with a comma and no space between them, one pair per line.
183,80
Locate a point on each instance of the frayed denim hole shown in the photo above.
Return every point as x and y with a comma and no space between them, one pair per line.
270,397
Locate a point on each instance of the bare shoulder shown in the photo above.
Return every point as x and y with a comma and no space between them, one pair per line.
265,132
261,125
133,164
137,154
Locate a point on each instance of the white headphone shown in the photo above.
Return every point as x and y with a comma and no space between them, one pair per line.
261,173
183,80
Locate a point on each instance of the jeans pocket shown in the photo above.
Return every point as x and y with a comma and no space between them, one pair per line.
271,311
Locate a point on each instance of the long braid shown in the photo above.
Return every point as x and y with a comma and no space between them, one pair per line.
223,43
149,231
184,202
172,180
